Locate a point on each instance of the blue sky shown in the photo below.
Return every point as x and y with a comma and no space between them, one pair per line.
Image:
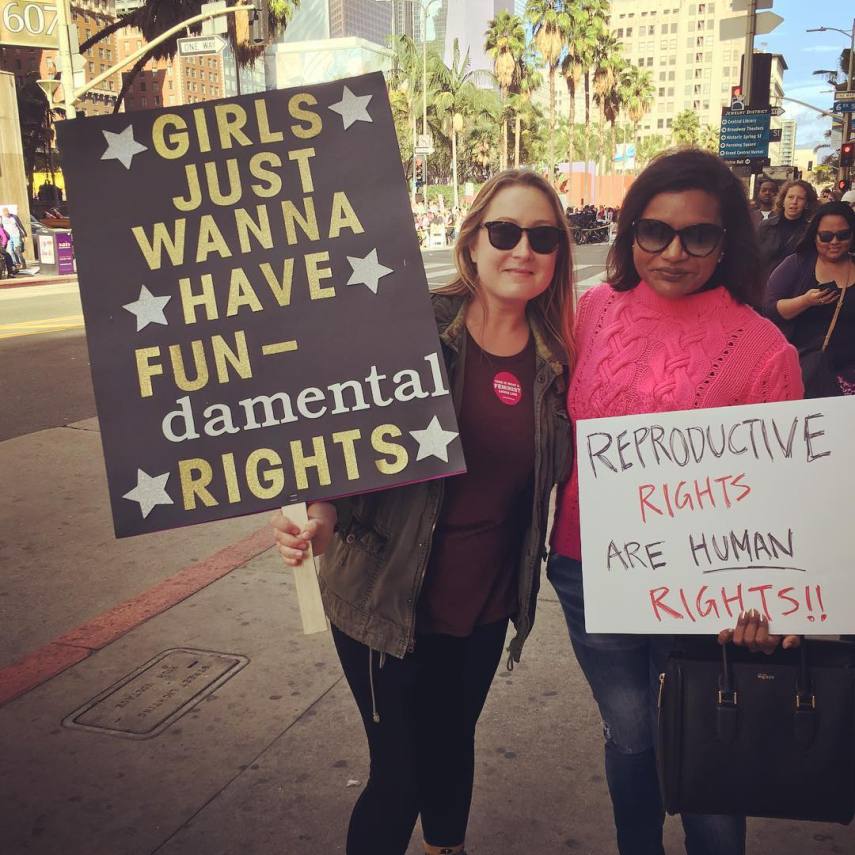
806,52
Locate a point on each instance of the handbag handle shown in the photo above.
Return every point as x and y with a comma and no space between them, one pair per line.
804,696
833,323
727,705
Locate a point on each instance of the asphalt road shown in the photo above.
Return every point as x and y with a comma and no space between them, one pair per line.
46,381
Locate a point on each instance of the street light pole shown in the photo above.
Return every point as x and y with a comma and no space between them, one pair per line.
70,94
846,130
63,17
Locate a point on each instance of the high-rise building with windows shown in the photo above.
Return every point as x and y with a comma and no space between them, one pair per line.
679,44
691,67
373,20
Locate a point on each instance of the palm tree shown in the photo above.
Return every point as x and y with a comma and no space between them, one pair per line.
709,138
611,98
607,72
637,95
686,128
594,22
527,83
155,17
648,148
505,43
34,112
403,80
550,27
456,97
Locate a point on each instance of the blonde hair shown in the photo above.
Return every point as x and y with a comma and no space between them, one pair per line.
554,307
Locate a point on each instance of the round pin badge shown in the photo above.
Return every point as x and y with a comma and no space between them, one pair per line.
507,388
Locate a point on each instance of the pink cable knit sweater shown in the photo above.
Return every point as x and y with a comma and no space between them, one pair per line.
638,352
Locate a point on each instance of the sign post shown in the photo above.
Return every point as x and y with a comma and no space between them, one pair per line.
744,138
201,45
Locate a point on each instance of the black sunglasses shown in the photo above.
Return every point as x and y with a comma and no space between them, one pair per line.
828,237
699,240
504,235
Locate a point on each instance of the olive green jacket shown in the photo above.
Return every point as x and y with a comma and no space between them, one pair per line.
372,572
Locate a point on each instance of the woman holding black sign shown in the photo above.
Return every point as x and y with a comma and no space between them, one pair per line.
420,582
807,298
673,330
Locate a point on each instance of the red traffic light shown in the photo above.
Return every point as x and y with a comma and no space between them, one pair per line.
847,153
843,185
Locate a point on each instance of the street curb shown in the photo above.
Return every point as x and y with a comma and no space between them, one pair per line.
74,646
28,281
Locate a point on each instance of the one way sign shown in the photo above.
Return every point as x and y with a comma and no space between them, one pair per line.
200,45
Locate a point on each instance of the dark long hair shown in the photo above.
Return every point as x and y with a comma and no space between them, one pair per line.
807,244
693,169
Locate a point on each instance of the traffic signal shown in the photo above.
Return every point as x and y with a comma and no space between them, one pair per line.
847,153
259,22
420,172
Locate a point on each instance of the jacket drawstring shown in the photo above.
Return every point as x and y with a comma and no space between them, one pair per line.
375,715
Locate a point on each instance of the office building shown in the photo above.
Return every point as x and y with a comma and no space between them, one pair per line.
372,20
89,16
787,148
679,44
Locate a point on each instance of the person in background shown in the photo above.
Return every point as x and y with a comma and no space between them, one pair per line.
779,234
826,195
674,329
419,582
808,292
8,261
764,201
16,231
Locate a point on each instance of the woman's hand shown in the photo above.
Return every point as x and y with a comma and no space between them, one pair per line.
752,631
293,541
820,297
791,307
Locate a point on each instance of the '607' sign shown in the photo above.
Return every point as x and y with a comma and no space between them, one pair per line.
31,23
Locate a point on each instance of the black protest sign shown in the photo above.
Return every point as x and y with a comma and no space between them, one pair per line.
259,324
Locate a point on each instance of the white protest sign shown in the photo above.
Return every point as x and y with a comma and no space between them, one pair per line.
689,518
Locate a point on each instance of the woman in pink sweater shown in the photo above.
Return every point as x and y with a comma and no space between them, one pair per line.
674,330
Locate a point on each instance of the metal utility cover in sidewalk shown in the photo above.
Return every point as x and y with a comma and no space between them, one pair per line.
145,702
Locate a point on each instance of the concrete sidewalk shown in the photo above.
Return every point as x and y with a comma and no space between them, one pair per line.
244,739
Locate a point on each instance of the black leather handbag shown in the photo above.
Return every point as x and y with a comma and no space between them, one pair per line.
755,735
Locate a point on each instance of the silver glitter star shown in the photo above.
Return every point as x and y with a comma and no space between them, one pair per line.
149,492
367,271
148,309
433,440
352,108
122,146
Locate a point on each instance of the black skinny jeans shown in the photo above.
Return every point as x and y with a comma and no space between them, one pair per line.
423,747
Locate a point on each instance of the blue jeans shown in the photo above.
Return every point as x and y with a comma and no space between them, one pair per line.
623,673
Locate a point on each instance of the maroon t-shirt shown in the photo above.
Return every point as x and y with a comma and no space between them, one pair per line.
471,577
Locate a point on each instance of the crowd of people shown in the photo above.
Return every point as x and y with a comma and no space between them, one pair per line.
437,225
708,302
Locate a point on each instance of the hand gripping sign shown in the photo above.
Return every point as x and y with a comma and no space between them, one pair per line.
689,518
256,307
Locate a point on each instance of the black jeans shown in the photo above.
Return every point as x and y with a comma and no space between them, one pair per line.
423,746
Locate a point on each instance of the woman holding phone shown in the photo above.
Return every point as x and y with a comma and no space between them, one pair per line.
808,299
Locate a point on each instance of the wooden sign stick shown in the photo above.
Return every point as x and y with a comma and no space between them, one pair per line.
306,579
